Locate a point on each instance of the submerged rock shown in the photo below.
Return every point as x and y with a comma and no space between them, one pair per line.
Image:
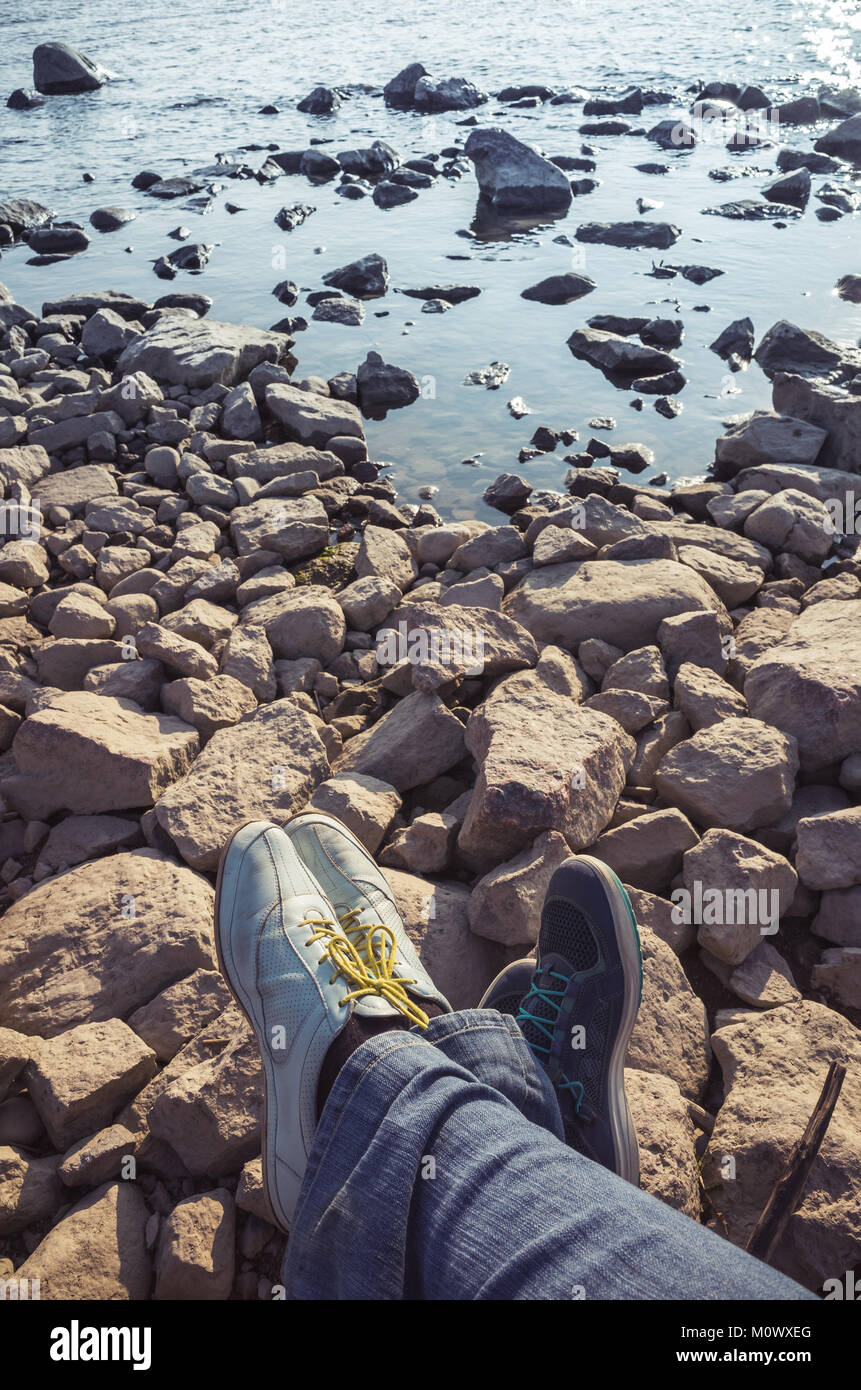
559,289
659,235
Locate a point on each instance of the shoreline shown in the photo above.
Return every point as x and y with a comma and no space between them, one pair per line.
213,608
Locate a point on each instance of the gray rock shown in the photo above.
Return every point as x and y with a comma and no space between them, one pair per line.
196,1248
828,851
647,852
613,353
292,528
367,278
656,235
505,905
844,140
446,94
109,1224
751,888
366,805
512,176
668,1165
79,1079
59,69
559,289
764,437
312,419
670,1036
200,352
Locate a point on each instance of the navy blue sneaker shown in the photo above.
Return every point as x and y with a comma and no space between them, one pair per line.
578,1004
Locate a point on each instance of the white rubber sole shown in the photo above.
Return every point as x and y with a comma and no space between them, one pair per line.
622,1128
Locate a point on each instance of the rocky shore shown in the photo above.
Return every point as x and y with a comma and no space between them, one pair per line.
214,608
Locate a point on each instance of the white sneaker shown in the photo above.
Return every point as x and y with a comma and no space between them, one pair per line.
298,978
363,901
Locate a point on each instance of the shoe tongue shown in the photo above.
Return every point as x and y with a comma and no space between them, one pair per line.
371,1006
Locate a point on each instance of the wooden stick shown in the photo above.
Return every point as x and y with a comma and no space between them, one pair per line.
789,1189
701,1118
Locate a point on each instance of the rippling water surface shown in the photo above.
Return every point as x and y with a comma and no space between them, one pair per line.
191,77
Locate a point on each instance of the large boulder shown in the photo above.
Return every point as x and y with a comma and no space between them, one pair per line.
88,753
738,774
310,418
97,1251
452,641
210,1113
416,741
79,1079
200,352
294,527
99,941
785,347
263,768
620,602
668,1165
59,69
512,176
827,407
765,437
545,763
844,141
670,1035
809,684
773,1065
196,1254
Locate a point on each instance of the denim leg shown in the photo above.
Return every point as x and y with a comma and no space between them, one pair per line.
492,1048
426,1182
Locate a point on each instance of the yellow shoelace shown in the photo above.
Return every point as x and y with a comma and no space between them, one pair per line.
371,972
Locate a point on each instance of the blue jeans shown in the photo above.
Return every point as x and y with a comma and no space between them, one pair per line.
438,1171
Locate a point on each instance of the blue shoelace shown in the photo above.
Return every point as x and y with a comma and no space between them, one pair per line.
553,999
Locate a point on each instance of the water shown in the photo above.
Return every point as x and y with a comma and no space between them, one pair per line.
191,77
